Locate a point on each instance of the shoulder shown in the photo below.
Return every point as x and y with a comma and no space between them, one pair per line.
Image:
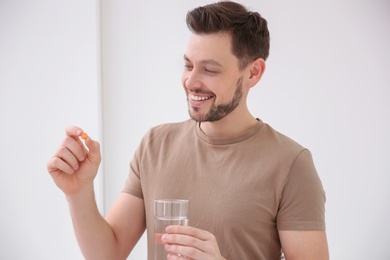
162,139
170,131
278,142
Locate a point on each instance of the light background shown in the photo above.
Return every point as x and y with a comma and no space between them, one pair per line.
114,68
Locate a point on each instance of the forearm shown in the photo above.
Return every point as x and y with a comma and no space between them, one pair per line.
95,237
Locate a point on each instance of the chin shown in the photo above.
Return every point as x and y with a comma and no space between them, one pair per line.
196,116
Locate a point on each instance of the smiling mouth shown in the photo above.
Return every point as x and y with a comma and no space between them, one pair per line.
200,98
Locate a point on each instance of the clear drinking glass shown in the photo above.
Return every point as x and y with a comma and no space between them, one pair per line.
167,212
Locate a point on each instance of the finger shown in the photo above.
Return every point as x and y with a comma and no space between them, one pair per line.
183,252
179,239
73,131
56,164
190,231
75,147
171,256
94,155
65,155
76,132
187,246
157,238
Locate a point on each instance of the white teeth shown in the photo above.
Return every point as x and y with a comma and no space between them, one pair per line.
198,98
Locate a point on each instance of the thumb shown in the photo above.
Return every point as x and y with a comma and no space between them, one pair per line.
94,155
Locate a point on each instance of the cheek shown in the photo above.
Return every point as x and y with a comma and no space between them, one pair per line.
223,90
183,81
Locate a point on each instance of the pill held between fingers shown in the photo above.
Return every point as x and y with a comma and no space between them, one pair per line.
84,135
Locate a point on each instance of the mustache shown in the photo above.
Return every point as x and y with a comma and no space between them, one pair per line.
201,92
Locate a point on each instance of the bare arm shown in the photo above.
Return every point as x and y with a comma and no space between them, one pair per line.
94,235
113,238
302,245
127,220
73,168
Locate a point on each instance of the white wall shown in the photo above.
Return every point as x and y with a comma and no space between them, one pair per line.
327,86
48,80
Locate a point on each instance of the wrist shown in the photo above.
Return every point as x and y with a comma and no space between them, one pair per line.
81,197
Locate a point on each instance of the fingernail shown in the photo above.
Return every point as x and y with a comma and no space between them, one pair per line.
164,238
79,131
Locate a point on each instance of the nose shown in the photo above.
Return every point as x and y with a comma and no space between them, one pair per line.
191,80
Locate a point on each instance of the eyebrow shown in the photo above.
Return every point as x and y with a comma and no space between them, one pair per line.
209,61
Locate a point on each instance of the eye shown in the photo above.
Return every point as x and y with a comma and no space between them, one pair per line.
188,67
210,71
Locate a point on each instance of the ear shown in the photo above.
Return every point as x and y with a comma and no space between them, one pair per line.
256,70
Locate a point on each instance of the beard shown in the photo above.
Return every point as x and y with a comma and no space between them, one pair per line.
217,112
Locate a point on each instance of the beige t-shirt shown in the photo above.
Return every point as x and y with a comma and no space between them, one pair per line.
243,190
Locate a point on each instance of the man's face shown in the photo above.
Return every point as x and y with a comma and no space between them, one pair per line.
211,77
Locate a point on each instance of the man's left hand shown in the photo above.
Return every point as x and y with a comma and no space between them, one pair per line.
185,242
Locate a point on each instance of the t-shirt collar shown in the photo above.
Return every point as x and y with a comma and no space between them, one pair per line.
222,141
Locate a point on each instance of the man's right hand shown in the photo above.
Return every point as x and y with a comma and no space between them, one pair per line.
74,165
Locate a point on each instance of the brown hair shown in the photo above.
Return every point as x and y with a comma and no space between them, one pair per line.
249,30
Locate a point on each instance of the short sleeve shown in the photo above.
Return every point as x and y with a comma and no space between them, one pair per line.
133,182
302,205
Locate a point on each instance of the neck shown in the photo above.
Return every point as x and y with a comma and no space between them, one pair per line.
232,125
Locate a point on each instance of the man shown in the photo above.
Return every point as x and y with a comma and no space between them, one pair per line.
253,192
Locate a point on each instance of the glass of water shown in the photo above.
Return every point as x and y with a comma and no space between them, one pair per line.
167,212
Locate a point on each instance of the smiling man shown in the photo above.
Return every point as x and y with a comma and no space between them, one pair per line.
214,83
254,193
